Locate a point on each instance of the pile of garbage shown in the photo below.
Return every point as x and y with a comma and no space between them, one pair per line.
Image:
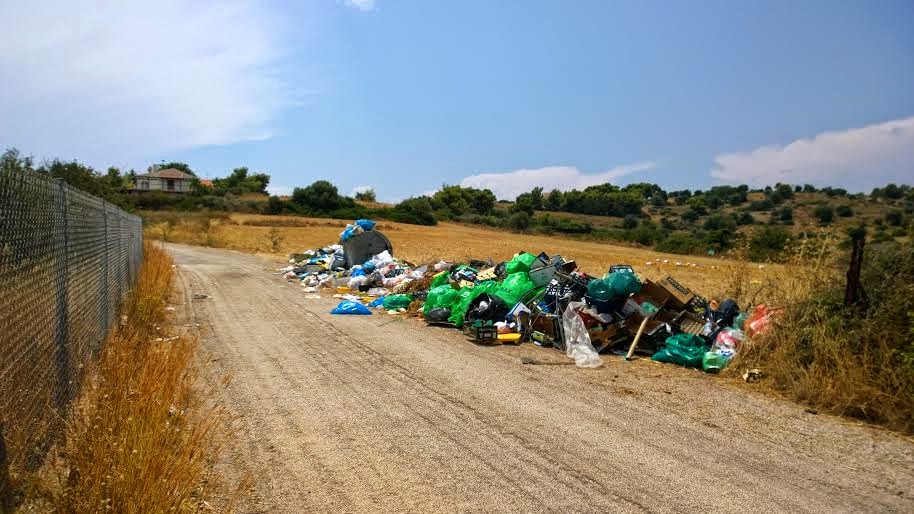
540,298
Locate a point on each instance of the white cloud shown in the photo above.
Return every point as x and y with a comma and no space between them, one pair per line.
856,159
115,80
508,185
362,5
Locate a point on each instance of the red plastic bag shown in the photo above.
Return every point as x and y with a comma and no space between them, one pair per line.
759,322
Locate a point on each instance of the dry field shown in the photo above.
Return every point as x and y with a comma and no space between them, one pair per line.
415,243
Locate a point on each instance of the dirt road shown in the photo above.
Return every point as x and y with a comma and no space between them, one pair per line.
379,413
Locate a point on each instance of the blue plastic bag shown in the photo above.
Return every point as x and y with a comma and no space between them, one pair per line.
377,302
365,224
349,307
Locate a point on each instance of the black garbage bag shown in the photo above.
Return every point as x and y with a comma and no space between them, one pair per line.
486,307
725,313
439,315
501,270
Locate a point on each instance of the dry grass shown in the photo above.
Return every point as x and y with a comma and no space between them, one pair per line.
856,362
141,438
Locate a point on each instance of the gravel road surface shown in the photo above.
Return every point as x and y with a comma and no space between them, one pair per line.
380,413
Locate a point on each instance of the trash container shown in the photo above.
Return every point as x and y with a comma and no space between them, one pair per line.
362,247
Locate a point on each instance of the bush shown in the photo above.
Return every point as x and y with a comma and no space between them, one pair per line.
854,361
690,216
784,214
845,211
320,197
825,214
366,196
761,205
681,243
549,223
519,221
629,222
768,243
744,218
894,218
416,211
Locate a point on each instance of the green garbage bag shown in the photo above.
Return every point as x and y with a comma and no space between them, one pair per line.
465,296
622,284
712,362
684,349
599,290
440,297
515,286
740,320
520,262
397,301
439,280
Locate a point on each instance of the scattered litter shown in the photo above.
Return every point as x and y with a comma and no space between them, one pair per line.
350,307
752,375
540,298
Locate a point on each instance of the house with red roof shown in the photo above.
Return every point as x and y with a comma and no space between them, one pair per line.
168,180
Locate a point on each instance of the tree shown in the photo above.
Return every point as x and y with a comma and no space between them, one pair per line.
239,182
274,205
321,196
698,204
523,203
553,201
367,195
536,196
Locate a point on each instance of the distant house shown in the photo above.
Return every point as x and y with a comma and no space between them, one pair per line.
168,180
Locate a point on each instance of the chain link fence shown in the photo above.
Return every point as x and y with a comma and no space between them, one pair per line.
66,260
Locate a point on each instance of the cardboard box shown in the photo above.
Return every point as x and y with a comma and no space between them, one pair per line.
680,295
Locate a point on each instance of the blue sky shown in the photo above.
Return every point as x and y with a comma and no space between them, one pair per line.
403,96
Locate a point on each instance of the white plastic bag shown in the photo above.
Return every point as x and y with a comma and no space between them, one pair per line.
577,340
356,282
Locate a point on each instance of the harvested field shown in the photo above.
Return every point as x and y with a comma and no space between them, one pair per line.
416,243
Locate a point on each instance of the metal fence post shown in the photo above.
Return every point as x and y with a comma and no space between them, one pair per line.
107,300
62,354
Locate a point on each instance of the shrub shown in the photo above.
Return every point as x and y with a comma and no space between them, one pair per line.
761,205
845,211
366,196
519,221
690,216
744,218
825,214
854,361
768,243
680,242
416,211
894,218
